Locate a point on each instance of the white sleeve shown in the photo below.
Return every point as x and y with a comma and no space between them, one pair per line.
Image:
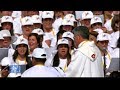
76,66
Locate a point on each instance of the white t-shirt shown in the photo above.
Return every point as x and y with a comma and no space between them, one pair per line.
63,64
40,71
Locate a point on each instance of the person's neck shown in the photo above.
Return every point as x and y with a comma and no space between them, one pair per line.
25,36
31,50
47,29
62,57
104,52
39,63
21,57
83,40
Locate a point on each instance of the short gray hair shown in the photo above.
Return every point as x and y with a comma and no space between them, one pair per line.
81,31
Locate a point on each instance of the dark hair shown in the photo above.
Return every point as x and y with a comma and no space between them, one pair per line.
40,59
56,60
115,20
60,33
94,33
11,30
61,27
36,36
15,55
40,45
82,31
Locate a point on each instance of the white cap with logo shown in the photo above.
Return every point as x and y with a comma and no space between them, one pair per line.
6,33
70,17
47,14
26,21
87,15
102,37
66,21
95,20
98,30
68,35
38,31
21,40
38,53
36,19
6,19
62,41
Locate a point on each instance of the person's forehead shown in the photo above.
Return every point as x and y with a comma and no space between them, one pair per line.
106,41
46,19
27,25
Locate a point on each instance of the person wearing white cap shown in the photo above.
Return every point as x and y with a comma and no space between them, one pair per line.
70,37
7,23
33,41
20,56
99,14
7,43
50,33
108,19
59,15
86,61
67,24
116,32
27,26
37,21
96,23
40,35
102,43
62,57
93,36
17,23
39,69
86,17
71,17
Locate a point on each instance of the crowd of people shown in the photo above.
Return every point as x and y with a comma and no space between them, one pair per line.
59,43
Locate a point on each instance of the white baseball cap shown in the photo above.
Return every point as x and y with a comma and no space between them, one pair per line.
66,21
38,53
1,35
21,40
95,20
71,17
38,31
26,21
5,33
98,30
62,41
68,35
6,19
87,15
102,37
47,14
36,19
